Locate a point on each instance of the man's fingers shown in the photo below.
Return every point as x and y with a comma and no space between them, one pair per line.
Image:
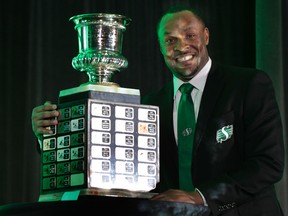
49,106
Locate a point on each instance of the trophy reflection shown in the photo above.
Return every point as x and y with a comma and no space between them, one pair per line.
106,142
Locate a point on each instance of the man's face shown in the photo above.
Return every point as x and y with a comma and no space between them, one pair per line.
183,39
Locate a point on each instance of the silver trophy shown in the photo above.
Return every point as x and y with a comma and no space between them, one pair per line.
100,39
106,141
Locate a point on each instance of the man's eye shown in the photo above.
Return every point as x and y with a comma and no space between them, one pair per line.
170,41
190,36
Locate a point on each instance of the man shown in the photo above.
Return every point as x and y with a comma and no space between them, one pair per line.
234,174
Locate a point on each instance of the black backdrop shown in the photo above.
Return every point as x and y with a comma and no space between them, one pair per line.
38,43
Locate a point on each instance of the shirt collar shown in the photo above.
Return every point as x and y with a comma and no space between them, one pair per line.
198,81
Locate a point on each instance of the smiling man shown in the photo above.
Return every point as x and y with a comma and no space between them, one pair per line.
237,150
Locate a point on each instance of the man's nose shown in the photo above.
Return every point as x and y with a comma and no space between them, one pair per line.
181,45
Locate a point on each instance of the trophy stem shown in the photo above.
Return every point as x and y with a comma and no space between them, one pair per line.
100,77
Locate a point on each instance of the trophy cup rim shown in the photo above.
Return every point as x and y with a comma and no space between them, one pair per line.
88,17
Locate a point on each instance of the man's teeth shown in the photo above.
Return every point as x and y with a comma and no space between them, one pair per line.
185,58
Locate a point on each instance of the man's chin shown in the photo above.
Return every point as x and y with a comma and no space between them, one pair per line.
185,73
184,76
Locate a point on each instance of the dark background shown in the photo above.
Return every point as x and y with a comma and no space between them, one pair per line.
38,43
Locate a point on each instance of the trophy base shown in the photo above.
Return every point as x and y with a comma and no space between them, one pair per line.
106,144
78,194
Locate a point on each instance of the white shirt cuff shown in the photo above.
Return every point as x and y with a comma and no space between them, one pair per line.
204,200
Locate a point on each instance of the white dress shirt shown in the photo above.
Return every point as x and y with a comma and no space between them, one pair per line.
199,83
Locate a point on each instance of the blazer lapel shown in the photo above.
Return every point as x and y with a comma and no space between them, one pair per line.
213,86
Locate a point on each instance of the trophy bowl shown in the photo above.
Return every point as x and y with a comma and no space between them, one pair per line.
100,37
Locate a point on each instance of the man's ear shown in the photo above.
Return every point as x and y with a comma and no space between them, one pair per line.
206,35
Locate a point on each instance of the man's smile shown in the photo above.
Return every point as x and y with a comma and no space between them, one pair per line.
184,58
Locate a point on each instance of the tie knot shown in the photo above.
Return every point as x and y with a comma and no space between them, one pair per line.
186,88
